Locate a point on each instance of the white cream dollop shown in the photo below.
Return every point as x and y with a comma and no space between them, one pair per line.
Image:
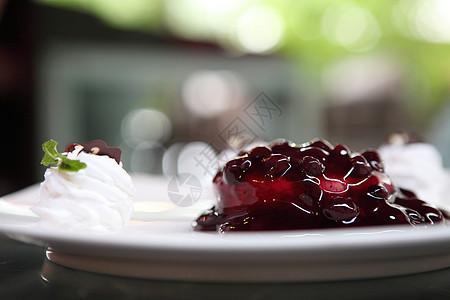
96,198
417,167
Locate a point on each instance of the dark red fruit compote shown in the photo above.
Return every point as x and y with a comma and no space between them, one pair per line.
314,185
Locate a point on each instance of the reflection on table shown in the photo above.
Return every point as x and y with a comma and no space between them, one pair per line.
25,273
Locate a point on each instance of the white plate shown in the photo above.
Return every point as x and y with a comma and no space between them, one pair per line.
162,245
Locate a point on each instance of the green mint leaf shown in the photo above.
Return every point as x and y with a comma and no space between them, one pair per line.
50,153
71,165
53,157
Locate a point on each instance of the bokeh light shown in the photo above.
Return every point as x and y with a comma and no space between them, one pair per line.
210,93
350,26
260,29
170,159
146,125
432,20
190,160
426,20
361,78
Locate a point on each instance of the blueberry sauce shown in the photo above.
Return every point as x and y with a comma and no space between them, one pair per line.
314,185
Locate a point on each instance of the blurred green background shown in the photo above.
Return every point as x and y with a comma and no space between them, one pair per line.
313,34
154,76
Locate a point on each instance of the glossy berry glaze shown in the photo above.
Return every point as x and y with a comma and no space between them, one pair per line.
314,185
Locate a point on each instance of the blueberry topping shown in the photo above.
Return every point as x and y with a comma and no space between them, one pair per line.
378,192
277,165
312,166
246,165
361,167
312,185
374,159
259,153
322,144
340,209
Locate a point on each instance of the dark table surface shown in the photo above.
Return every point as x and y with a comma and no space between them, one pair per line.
25,273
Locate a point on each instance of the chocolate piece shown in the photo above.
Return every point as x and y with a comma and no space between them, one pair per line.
73,147
99,147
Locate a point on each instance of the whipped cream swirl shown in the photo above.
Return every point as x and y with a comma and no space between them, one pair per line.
96,198
417,167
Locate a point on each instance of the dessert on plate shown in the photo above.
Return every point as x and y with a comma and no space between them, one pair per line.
85,188
313,185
